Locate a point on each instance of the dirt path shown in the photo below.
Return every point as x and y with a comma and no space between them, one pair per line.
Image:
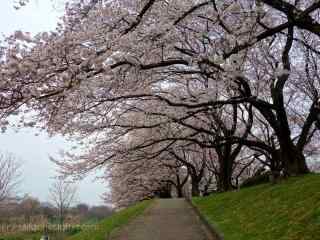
166,219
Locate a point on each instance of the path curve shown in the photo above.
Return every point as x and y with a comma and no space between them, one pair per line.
166,219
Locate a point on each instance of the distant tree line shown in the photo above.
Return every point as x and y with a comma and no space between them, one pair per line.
29,210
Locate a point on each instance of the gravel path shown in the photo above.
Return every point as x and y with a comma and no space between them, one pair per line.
166,219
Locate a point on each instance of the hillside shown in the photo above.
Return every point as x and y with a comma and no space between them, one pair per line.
287,211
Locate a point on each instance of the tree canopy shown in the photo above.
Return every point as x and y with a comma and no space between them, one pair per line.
162,84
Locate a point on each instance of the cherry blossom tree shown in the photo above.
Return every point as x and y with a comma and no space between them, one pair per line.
134,78
135,181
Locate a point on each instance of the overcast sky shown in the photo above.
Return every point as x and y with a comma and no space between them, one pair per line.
32,150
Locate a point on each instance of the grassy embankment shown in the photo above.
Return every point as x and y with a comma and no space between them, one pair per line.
117,220
286,211
98,232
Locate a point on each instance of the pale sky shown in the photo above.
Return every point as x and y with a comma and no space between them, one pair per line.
32,150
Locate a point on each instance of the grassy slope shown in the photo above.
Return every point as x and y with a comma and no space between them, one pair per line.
117,220
290,210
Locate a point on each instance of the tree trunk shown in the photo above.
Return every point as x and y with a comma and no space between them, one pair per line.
61,220
179,191
294,162
195,191
224,182
225,171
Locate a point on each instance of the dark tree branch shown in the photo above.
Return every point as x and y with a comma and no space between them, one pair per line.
140,16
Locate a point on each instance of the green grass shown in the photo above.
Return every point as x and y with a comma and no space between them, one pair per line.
286,211
111,223
35,236
21,236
